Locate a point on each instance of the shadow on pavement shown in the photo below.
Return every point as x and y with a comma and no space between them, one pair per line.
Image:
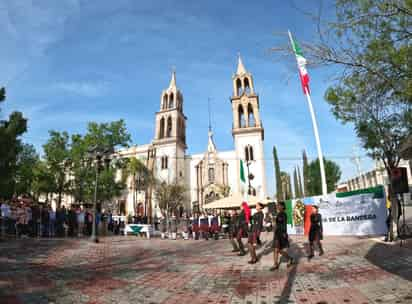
392,258
297,253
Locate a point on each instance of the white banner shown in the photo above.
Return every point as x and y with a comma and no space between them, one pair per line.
360,212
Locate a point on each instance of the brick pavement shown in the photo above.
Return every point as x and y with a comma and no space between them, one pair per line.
133,270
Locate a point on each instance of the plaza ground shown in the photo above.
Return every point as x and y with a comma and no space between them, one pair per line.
135,270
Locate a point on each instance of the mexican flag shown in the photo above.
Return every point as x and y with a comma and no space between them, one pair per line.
303,73
243,185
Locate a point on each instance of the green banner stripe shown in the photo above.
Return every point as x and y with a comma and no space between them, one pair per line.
289,211
378,192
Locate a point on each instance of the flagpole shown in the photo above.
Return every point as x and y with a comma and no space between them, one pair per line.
315,130
318,146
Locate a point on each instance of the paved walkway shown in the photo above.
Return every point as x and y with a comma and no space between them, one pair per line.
133,270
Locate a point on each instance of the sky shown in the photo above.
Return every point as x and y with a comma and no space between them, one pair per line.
65,63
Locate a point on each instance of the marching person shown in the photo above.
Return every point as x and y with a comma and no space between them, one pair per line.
255,229
268,222
204,226
195,226
242,227
163,226
226,224
233,230
280,237
184,226
173,227
215,225
315,232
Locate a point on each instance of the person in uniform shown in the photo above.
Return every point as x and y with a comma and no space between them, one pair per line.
163,226
233,230
254,232
280,237
184,226
315,232
226,224
195,226
173,227
242,227
215,226
204,226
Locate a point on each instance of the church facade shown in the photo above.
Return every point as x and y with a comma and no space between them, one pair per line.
212,174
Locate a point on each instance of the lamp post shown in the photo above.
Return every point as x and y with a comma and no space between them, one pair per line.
100,157
250,176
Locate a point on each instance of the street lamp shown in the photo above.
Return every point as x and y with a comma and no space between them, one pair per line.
250,176
101,157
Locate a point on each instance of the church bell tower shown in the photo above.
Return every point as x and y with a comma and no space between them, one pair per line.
247,131
170,135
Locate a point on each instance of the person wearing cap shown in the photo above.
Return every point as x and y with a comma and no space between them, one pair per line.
280,237
315,232
255,229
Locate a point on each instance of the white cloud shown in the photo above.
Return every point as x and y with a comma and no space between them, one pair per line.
87,89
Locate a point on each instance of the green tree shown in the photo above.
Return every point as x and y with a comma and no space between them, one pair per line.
286,186
26,162
333,174
56,154
43,181
11,130
295,184
305,173
141,177
170,196
82,180
279,192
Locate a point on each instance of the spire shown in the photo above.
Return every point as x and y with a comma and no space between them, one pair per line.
211,147
172,84
240,67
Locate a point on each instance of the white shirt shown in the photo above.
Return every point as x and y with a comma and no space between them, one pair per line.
80,217
5,210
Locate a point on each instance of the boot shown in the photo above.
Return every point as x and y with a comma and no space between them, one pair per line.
311,252
241,248
234,245
321,252
252,255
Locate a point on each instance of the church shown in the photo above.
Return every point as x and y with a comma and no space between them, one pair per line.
210,175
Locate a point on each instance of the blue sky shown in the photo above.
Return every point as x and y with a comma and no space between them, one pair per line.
68,62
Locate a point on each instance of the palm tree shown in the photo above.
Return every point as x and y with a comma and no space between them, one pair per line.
142,178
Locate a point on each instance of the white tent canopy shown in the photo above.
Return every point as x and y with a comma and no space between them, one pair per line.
233,201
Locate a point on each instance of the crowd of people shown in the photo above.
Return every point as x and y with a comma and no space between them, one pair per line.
24,218
27,219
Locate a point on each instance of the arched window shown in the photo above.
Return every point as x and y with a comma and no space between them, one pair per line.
162,128
171,101
169,127
247,85
249,153
251,116
242,121
251,157
164,164
211,175
238,87
164,105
